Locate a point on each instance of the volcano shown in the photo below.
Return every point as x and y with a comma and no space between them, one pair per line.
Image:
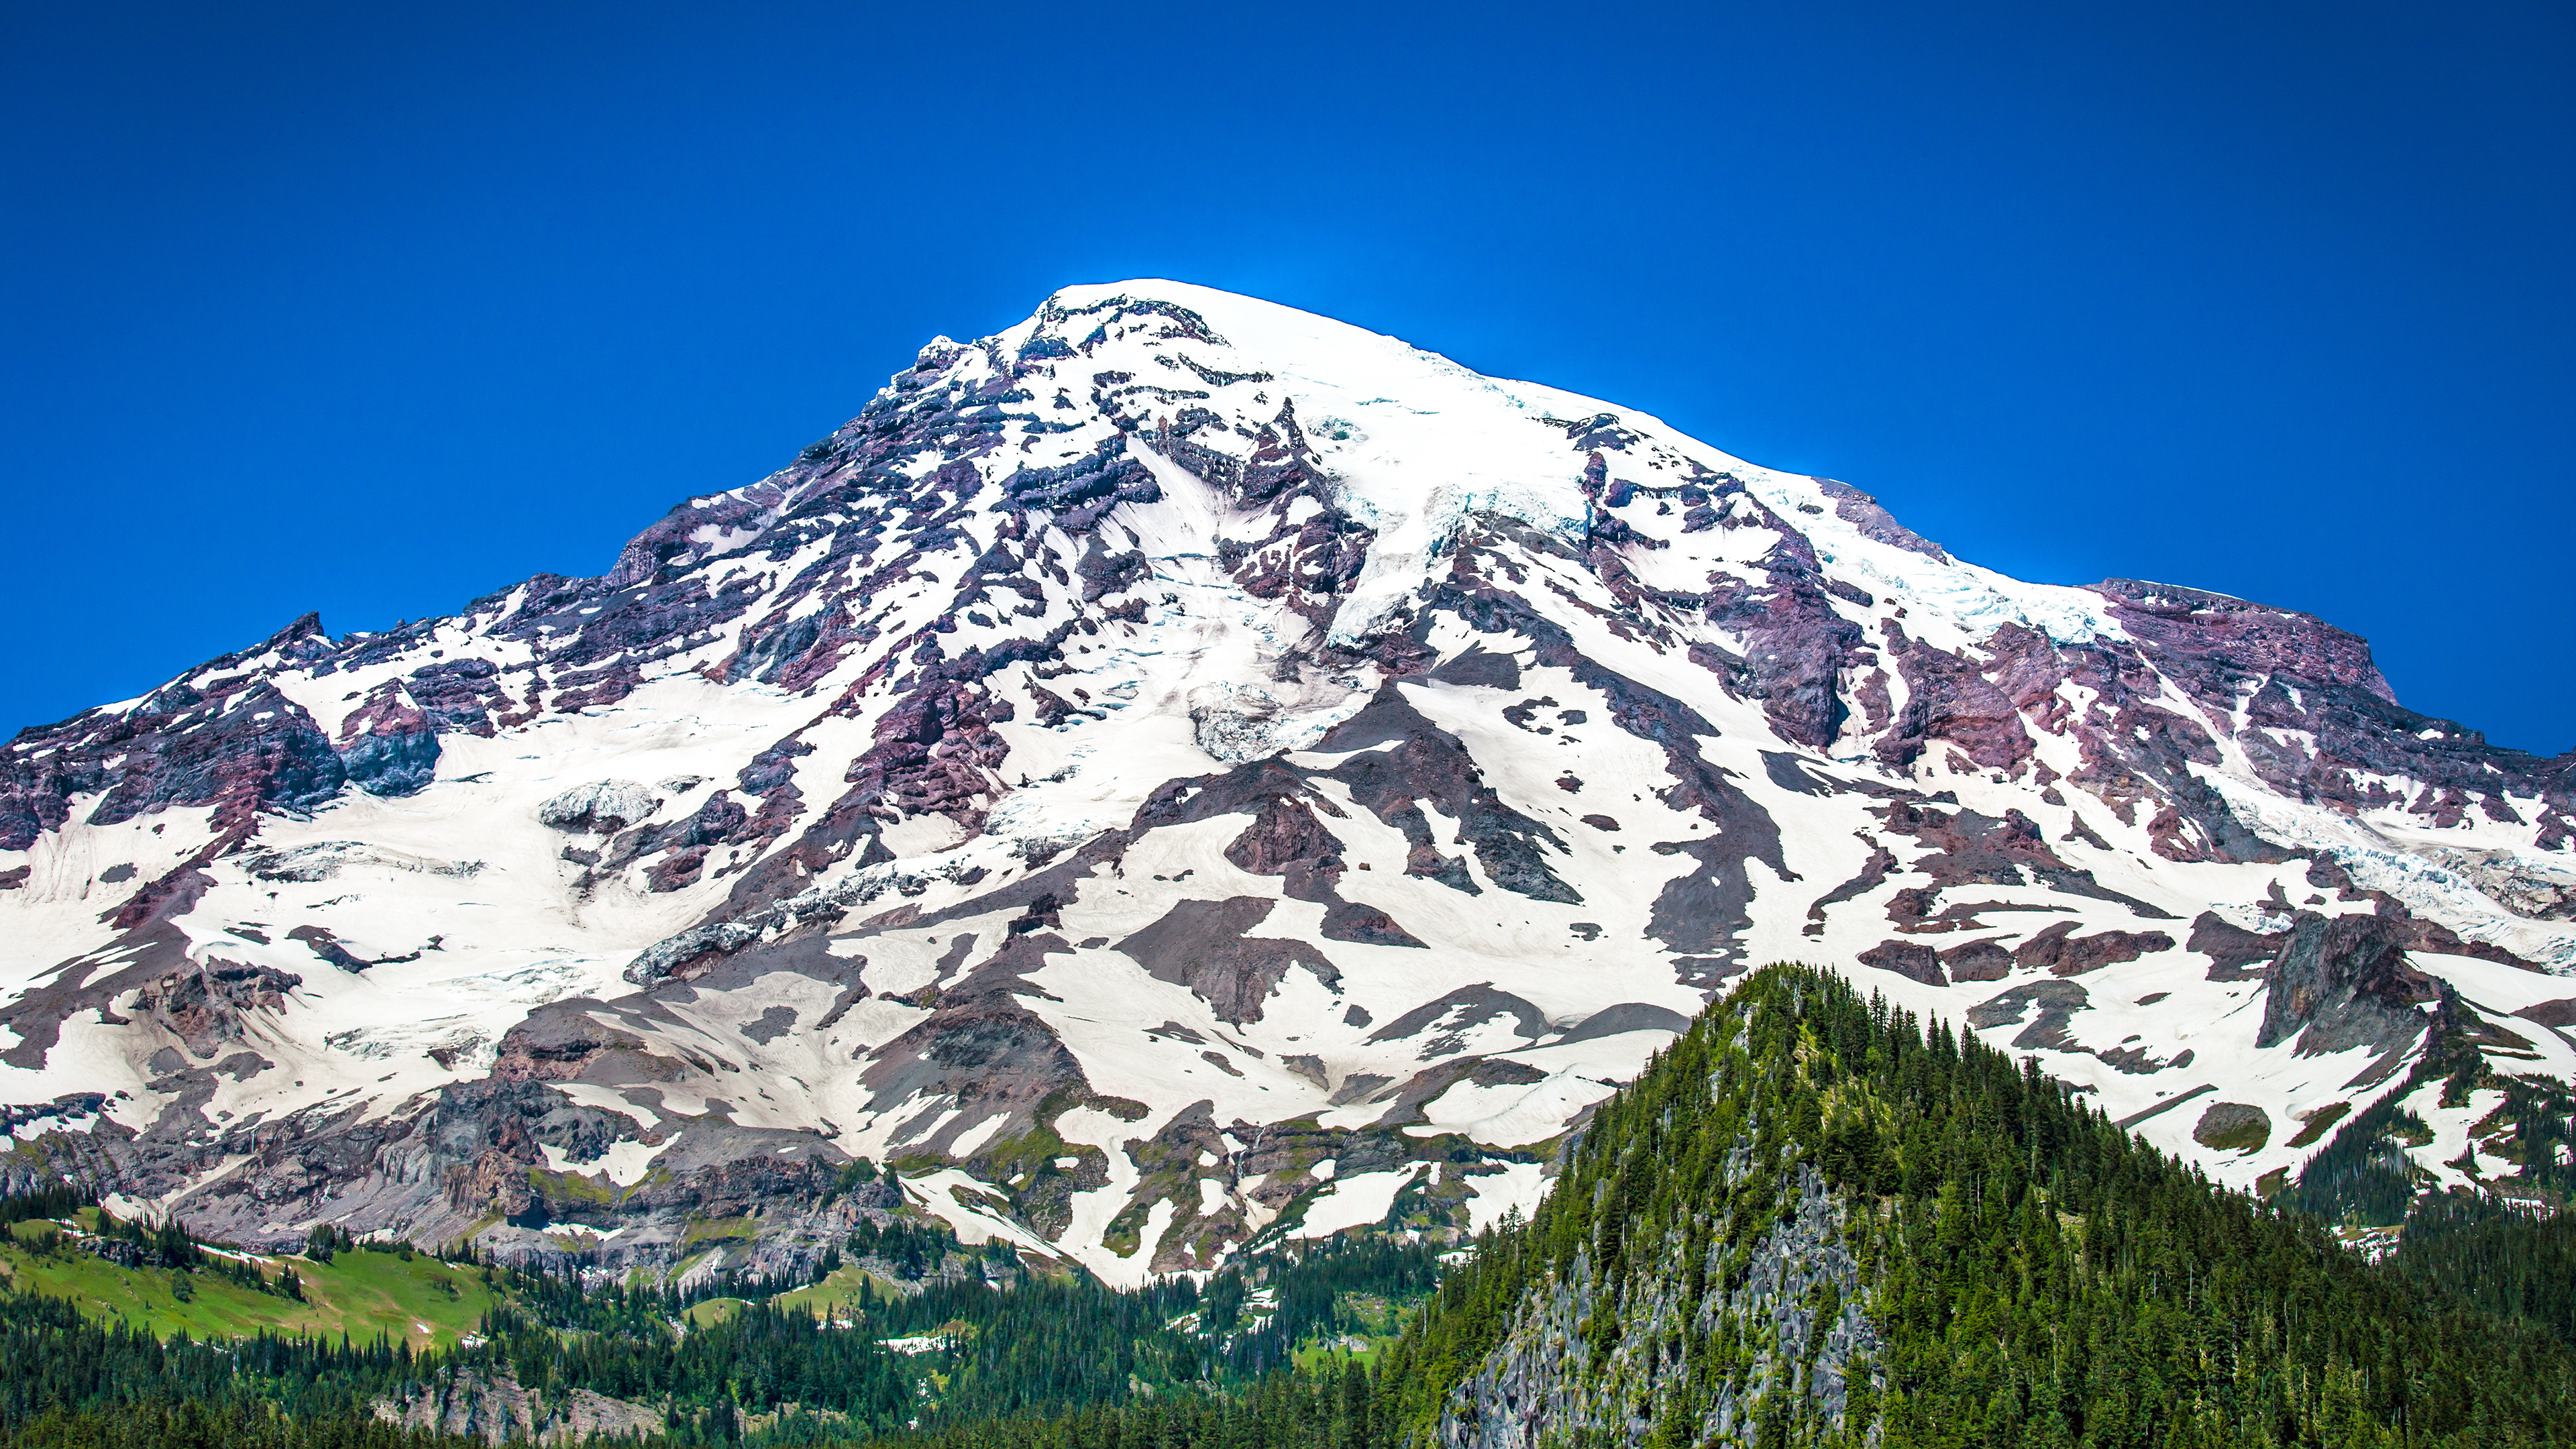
1182,773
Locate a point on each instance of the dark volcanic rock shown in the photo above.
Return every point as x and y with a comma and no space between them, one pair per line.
2048,1006
2343,982
1205,946
1978,961
2235,954
2062,953
1911,959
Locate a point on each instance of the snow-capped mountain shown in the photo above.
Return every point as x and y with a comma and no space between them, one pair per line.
1183,770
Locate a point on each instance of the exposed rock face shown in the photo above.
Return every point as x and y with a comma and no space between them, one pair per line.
1799,1296
602,807
1208,947
1180,770
496,1409
2345,982
203,1005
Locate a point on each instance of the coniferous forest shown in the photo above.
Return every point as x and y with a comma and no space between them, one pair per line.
1814,1220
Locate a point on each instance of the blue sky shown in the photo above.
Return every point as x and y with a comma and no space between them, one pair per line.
372,309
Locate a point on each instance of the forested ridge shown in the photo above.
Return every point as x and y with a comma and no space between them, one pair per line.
1814,1220
2038,1276
751,1362
2500,1256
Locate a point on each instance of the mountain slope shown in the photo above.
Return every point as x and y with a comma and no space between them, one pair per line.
1182,770
1813,1222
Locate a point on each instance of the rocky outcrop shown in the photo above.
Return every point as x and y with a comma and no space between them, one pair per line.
387,745
602,807
494,1408
2342,982
204,1004
2320,721
1209,947
1587,1361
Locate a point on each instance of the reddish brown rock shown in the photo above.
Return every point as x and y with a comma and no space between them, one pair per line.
2060,952
1910,959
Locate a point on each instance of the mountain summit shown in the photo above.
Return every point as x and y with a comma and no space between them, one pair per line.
1182,771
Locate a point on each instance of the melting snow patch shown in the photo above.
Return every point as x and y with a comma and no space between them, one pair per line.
1353,1202
1512,1116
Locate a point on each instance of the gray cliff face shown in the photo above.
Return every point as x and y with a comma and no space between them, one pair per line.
497,1409
1588,1359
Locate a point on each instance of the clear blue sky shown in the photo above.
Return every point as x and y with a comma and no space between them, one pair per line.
374,308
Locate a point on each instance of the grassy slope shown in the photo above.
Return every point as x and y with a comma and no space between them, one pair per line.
839,1290
361,1294
711,1310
